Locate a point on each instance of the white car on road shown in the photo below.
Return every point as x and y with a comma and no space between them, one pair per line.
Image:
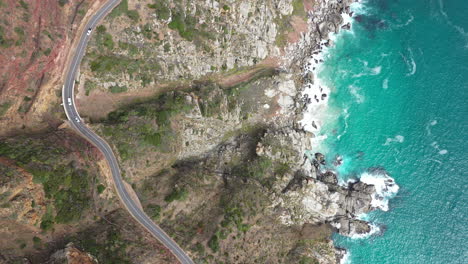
89,31
77,119
69,101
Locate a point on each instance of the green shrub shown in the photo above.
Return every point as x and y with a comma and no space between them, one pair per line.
37,242
101,29
63,2
47,51
154,211
4,41
24,5
47,220
185,25
133,15
4,108
308,260
213,243
122,8
162,11
153,139
118,89
100,188
176,194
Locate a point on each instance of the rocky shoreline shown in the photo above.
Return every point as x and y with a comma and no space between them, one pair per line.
314,186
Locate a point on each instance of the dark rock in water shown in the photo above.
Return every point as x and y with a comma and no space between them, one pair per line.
347,26
359,227
320,158
362,187
347,9
328,177
338,160
349,227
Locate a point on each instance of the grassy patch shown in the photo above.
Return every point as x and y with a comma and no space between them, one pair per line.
4,41
4,108
308,260
23,5
104,39
298,8
145,125
118,89
47,51
122,9
108,248
154,211
63,2
47,220
178,194
101,188
37,242
21,37
213,243
89,86
161,8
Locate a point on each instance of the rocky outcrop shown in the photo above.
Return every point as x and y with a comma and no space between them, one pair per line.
21,199
318,198
71,255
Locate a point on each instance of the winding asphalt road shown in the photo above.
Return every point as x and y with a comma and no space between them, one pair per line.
101,144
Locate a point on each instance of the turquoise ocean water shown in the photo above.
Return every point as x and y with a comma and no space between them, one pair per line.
399,89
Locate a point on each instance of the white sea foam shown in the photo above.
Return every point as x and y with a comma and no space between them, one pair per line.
385,84
354,90
437,147
346,258
409,21
373,230
410,63
413,64
316,92
376,70
345,117
385,187
428,127
368,70
397,139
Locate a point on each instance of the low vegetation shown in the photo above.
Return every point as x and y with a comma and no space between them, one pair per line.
4,108
64,183
108,247
145,125
122,9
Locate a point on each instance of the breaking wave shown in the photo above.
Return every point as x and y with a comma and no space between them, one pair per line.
374,229
385,187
